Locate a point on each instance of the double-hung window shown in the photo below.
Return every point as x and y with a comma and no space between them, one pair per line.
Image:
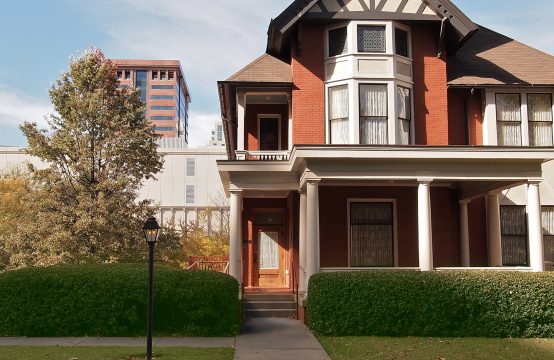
514,235
371,234
548,233
338,114
508,119
404,106
373,114
539,110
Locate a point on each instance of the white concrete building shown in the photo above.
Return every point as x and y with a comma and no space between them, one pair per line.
188,184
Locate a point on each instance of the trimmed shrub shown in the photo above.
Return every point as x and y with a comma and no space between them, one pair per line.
111,300
449,304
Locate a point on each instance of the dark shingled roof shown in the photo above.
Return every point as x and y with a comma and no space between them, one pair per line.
490,58
265,69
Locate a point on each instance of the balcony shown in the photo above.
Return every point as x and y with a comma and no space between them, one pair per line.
262,155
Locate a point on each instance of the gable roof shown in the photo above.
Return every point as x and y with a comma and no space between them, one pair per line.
265,69
490,58
281,26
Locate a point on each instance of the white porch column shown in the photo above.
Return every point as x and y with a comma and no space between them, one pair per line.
464,234
312,229
424,225
536,250
235,237
241,105
493,230
302,245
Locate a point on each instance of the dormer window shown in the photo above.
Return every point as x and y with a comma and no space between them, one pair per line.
338,41
372,39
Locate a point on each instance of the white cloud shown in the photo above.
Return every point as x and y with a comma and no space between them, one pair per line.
200,126
16,108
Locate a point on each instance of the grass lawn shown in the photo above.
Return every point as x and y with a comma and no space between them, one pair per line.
111,353
368,348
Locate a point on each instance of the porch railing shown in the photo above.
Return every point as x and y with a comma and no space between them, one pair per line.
261,155
209,263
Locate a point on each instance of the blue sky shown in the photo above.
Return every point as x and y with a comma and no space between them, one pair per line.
211,38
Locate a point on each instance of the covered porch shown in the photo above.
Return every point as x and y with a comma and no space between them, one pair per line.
365,207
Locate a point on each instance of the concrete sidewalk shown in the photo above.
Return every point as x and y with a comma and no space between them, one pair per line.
277,339
202,342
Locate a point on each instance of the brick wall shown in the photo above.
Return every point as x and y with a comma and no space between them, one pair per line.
477,217
430,93
308,94
458,119
444,212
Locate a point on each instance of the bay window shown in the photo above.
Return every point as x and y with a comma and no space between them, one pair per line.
372,39
338,114
338,41
373,114
404,108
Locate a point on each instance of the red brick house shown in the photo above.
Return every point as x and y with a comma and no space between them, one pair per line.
381,134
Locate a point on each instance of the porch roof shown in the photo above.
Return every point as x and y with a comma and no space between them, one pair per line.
474,170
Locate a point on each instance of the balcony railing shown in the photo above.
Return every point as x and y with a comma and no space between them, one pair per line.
261,155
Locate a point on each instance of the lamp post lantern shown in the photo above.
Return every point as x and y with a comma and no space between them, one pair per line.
151,231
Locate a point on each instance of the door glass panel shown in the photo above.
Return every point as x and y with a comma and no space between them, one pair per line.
269,134
269,250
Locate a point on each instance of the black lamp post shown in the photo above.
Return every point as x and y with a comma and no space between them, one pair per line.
151,230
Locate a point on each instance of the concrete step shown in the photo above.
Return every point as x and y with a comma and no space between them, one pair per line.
269,297
268,313
281,305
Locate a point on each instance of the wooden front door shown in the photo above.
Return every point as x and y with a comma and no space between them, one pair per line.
270,258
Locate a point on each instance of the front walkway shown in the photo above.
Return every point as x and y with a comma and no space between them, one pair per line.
277,339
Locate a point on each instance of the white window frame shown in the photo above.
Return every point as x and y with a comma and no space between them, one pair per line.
394,226
270,116
490,137
409,31
348,39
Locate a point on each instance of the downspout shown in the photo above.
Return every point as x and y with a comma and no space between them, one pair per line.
468,116
441,37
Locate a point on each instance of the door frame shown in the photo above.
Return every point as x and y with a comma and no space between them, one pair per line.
283,242
270,116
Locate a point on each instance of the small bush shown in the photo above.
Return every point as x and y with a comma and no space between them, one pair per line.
451,304
111,300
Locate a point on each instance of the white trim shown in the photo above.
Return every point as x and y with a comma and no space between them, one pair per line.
394,225
270,116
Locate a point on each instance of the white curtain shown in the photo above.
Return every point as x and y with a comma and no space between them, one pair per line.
548,232
508,116
404,105
371,234
514,235
373,114
269,250
338,114
539,108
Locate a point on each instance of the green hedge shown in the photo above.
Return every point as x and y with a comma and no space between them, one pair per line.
110,300
450,304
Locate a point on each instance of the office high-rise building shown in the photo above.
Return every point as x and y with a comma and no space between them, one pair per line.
164,90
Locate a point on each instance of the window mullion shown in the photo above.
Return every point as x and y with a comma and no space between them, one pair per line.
524,121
